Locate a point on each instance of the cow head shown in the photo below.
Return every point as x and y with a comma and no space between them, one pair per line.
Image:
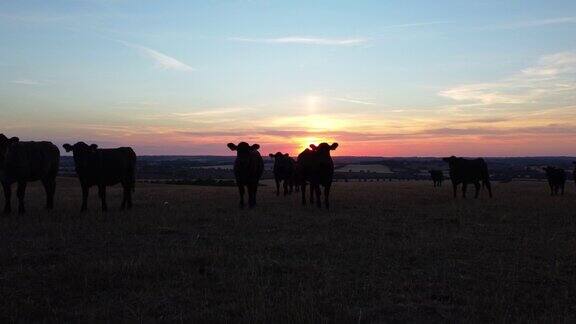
324,148
81,152
5,144
279,155
243,148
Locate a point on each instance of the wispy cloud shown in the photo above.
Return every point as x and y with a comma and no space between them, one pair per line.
304,40
28,82
162,60
416,24
355,101
535,23
551,77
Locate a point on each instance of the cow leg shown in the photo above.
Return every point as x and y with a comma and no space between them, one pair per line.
126,196
464,185
562,189
285,185
312,191
489,187
477,187
252,195
327,195
304,193
277,187
85,190
20,193
50,188
318,193
102,194
455,188
241,191
7,197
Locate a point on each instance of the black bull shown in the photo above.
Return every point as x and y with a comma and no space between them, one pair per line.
102,168
464,171
22,162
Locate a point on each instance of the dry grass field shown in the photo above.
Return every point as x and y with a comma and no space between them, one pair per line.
386,252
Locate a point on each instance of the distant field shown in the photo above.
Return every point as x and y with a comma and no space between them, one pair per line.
387,251
225,167
378,168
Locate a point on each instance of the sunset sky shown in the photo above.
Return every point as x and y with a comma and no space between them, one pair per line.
382,78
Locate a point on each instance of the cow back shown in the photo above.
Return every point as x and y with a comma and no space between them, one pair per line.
108,166
468,171
31,161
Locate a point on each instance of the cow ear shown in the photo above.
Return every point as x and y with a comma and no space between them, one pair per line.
67,147
254,147
313,147
3,138
286,155
232,146
271,155
333,146
13,140
93,147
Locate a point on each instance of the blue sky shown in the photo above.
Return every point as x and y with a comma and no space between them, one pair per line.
380,77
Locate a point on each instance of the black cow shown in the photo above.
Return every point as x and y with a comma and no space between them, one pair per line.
463,171
102,168
283,172
248,169
316,167
556,180
22,162
437,177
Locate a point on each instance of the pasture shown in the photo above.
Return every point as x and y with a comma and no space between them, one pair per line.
386,251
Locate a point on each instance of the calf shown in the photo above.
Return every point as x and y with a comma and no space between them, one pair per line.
317,168
22,162
248,169
437,177
556,180
283,172
464,171
102,168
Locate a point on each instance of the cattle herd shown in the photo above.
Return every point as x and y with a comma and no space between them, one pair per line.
23,162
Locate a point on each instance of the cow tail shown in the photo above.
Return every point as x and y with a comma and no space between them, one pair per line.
133,173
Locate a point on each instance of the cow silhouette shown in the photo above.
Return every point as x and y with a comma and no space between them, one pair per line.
102,168
22,162
465,171
437,177
248,169
556,180
316,167
283,172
